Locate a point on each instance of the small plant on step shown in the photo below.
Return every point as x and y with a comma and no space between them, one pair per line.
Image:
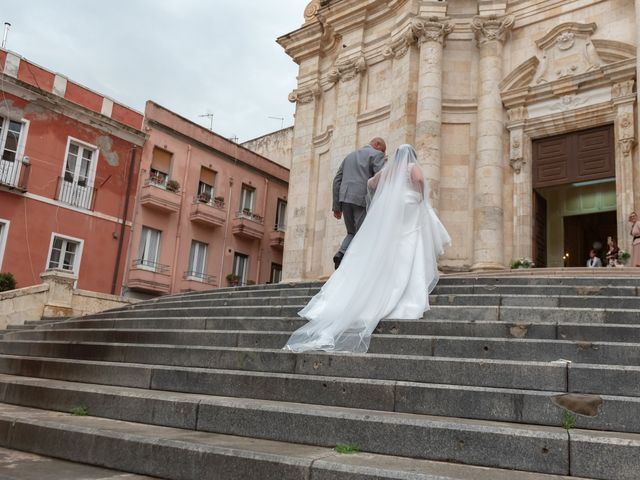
348,448
568,420
80,411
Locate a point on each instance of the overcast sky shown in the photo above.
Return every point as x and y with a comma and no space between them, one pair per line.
192,56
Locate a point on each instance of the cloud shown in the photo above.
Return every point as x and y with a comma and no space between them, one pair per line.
192,56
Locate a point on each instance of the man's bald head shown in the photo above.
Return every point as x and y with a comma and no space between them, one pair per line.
379,144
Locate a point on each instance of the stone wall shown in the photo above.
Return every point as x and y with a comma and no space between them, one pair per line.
276,146
470,84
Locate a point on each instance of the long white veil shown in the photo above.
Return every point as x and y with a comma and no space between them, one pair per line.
370,281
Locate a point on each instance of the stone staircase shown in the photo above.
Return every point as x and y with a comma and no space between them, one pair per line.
195,386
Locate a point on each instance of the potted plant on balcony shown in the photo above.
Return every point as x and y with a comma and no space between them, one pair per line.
204,197
173,186
7,282
233,279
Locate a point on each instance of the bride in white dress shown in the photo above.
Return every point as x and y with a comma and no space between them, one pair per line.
389,269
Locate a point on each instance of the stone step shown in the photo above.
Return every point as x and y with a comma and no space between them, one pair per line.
544,376
552,330
174,453
586,278
575,301
617,413
437,312
539,350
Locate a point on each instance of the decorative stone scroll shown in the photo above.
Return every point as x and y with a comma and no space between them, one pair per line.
431,29
305,95
346,70
516,155
492,27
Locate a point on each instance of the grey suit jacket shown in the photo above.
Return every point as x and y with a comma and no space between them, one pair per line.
350,183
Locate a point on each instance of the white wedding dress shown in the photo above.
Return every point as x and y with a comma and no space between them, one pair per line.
388,270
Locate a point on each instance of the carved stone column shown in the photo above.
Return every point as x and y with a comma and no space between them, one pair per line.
624,128
520,161
488,215
298,213
404,85
431,34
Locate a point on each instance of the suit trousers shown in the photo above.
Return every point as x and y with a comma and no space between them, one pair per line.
353,216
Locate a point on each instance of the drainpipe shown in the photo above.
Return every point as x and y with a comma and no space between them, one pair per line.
116,268
183,192
267,230
226,232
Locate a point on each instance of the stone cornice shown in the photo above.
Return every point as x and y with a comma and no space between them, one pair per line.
492,27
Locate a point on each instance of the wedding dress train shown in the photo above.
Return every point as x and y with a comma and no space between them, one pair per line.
388,270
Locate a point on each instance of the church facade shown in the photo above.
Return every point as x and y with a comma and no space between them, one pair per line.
523,114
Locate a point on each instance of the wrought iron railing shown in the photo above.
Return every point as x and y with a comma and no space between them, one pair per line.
15,174
149,265
211,201
250,216
76,194
199,276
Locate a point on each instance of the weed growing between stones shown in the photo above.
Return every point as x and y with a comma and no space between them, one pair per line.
568,420
346,449
80,411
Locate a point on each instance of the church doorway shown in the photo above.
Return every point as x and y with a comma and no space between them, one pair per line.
574,196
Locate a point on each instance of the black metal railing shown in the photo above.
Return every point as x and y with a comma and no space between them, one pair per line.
250,216
200,277
149,265
76,193
15,174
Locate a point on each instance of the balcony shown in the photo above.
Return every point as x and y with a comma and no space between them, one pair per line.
248,225
276,237
208,212
197,281
76,192
15,175
157,196
150,277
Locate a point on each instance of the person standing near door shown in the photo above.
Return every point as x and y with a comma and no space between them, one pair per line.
594,260
635,233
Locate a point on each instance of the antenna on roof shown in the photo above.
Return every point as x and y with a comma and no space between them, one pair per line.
210,117
281,121
234,138
7,25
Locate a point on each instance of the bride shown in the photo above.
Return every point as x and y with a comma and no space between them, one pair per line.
388,270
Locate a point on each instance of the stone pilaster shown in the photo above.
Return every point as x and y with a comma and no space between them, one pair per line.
431,34
488,215
520,161
298,213
625,137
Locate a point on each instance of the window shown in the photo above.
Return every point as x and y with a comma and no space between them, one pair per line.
240,267
4,233
276,273
65,253
148,253
160,167
247,196
11,133
197,260
79,171
281,212
205,186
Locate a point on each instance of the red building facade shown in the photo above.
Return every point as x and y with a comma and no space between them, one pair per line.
69,163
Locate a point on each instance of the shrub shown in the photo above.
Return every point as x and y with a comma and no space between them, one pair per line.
173,185
7,282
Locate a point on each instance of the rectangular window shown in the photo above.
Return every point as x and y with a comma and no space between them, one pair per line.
64,253
79,171
247,196
149,250
4,233
206,185
160,167
11,144
240,267
197,260
281,213
276,273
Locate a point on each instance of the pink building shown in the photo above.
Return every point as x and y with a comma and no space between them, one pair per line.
68,177
209,212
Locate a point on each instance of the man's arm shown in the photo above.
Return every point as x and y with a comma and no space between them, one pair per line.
377,163
337,182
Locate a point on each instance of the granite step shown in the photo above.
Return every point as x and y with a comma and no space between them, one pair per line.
539,350
174,453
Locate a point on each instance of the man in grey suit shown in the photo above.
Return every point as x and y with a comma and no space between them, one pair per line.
350,188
